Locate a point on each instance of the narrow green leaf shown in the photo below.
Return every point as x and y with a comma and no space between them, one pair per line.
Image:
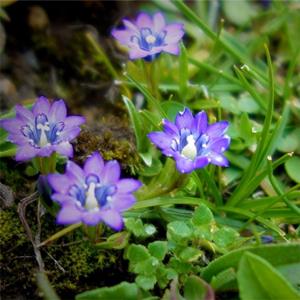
124,291
183,73
136,124
153,102
278,255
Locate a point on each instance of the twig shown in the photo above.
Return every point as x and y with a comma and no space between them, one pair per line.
22,215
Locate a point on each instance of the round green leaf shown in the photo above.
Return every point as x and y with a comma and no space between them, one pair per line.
292,167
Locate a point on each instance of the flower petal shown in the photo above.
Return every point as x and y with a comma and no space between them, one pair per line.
123,36
201,162
26,152
200,122
18,139
58,111
172,48
170,127
217,129
12,125
64,148
74,172
184,165
69,214
129,25
128,185
160,139
135,53
62,198
174,33
41,106
158,22
91,218
144,21
111,172
73,121
24,114
184,119
46,151
94,164
219,160
70,134
220,145
122,202
60,182
112,218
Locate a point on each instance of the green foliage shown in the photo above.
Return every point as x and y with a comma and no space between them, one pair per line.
124,290
257,279
283,257
139,229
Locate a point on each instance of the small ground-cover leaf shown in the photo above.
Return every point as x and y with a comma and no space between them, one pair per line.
238,12
225,236
146,282
178,231
258,279
190,254
158,249
289,142
202,215
292,167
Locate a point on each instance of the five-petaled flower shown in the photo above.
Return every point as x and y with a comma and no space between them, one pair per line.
93,194
148,37
42,130
192,142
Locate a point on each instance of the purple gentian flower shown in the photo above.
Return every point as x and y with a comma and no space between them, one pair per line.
93,194
147,37
192,142
42,130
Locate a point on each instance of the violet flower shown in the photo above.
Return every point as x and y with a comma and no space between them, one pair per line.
147,37
192,142
42,130
93,194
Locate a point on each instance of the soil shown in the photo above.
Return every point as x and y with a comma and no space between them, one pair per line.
45,52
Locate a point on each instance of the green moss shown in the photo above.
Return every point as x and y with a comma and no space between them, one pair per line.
110,145
17,261
73,264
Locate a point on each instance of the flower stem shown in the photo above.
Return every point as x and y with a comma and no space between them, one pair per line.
150,70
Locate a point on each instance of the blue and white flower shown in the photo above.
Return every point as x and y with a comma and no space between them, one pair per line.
192,142
42,130
148,36
93,194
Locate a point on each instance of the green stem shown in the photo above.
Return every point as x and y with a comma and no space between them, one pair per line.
150,72
47,291
60,234
211,185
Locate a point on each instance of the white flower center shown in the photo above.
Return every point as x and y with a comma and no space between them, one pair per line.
150,39
190,149
43,138
91,200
